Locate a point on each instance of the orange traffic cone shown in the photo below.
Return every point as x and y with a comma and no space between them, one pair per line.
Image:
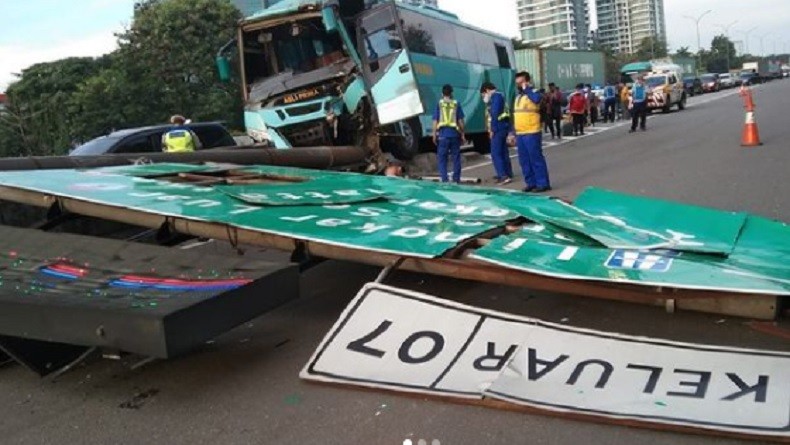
751,136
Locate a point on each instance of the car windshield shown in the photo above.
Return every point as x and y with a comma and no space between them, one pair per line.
98,146
724,76
688,79
708,78
656,81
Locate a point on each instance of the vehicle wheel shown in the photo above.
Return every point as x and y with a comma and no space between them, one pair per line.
407,146
667,108
481,143
682,103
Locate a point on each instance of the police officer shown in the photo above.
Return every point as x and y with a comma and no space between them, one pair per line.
529,136
639,105
180,139
498,128
448,133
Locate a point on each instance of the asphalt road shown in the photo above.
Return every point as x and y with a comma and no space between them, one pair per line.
244,387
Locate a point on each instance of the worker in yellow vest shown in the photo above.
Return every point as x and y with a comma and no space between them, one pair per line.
529,136
180,139
448,133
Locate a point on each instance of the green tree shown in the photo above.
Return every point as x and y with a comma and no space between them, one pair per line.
652,48
164,65
722,54
684,51
168,52
42,110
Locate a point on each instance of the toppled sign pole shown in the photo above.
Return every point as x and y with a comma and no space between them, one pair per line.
461,232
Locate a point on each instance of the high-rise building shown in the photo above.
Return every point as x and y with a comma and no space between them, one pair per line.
624,24
562,23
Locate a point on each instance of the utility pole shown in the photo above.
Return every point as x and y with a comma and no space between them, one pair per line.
726,29
699,41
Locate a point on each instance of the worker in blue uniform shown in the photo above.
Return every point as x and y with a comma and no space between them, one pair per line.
499,127
639,94
529,136
448,133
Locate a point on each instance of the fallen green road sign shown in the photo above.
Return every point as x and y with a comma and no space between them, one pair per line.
605,236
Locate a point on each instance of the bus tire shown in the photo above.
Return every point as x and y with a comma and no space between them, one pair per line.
406,147
481,143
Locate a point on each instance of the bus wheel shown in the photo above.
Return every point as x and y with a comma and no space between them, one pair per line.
481,143
407,146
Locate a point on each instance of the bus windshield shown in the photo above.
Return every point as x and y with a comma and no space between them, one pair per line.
289,50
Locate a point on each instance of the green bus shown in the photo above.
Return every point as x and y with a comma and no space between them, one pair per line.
334,72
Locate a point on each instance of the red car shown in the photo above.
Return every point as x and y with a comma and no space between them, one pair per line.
710,83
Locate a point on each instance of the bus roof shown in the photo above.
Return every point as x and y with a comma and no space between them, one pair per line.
286,7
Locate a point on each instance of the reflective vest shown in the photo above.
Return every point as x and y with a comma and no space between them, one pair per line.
505,115
448,113
179,141
639,93
526,115
609,92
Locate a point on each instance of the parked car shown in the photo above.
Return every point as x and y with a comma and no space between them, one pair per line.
693,85
726,80
149,140
710,82
736,78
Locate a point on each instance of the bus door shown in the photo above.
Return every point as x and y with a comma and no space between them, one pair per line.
386,65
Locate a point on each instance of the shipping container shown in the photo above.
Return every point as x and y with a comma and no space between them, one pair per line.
568,68
529,60
688,64
564,68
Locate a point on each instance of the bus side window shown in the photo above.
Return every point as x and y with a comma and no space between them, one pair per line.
501,53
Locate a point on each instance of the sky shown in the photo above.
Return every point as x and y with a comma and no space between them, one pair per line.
34,31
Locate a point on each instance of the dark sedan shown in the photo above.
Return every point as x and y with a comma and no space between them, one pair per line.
149,139
693,85
750,78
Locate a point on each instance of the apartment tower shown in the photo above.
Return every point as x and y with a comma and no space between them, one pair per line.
624,24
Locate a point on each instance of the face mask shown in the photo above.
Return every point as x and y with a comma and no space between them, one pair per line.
486,97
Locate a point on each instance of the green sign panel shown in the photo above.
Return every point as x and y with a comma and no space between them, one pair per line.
422,221
605,236
753,267
688,227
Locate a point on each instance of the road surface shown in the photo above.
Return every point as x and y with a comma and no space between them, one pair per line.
244,387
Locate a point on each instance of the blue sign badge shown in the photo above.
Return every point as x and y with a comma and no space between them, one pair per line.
653,261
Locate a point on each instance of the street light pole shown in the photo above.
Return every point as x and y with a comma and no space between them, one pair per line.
699,40
726,29
746,37
762,40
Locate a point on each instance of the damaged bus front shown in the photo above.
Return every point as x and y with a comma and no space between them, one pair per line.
360,72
